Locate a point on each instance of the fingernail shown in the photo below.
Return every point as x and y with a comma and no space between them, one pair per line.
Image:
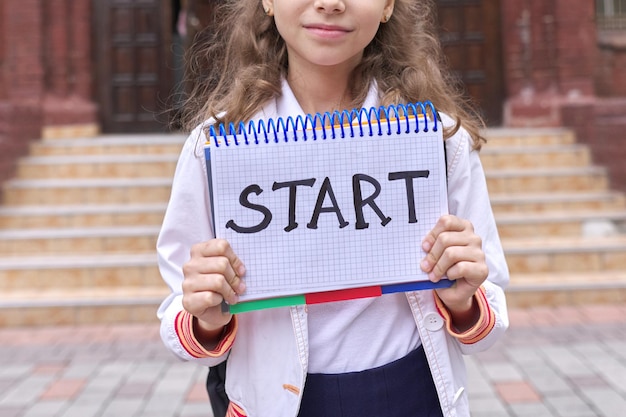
432,277
426,246
241,288
241,270
425,265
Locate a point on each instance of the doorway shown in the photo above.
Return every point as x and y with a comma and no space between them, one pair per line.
133,58
470,33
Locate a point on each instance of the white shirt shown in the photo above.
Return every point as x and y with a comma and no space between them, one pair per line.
354,335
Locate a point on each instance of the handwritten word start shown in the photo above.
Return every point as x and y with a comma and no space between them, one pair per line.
326,191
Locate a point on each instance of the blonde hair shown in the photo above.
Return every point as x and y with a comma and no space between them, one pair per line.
238,65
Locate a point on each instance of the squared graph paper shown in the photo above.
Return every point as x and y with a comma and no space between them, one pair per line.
265,197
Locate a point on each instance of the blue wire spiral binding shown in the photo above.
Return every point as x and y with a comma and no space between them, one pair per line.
301,125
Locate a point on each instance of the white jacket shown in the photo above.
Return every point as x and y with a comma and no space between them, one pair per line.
267,350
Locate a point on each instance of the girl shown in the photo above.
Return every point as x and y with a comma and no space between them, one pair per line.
395,355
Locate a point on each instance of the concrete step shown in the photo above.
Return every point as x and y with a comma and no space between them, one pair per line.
544,255
78,227
97,166
87,191
561,223
72,271
527,157
512,202
151,190
73,216
26,242
566,289
35,307
520,137
111,145
547,180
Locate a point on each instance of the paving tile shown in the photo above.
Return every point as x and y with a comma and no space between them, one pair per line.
517,392
488,407
162,406
546,380
81,410
502,372
570,406
12,411
530,410
617,348
122,407
477,385
48,368
524,356
46,408
588,382
607,401
197,393
63,389
566,362
557,362
134,389
26,392
196,410
14,371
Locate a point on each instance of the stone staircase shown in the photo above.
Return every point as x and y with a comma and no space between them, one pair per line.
78,226
78,229
562,228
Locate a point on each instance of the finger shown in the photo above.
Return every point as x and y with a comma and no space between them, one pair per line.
458,256
446,223
197,303
225,268
221,247
474,273
444,242
216,283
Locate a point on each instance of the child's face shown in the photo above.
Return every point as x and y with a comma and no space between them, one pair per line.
328,32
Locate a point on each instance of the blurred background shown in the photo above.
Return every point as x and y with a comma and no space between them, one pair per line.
88,145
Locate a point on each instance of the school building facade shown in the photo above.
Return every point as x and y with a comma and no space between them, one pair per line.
81,67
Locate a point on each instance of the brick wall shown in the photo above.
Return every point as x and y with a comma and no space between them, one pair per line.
22,79
559,72
601,123
549,45
45,72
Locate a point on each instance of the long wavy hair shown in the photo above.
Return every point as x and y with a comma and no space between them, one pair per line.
237,64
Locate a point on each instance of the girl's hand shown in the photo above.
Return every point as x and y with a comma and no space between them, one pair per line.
454,250
212,274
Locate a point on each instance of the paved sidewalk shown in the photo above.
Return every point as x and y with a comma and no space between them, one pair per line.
566,362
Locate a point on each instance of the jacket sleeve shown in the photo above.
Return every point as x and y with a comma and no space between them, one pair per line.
187,221
468,198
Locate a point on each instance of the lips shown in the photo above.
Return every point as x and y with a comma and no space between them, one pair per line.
327,31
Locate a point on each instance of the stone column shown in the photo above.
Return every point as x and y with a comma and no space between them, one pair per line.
21,79
67,107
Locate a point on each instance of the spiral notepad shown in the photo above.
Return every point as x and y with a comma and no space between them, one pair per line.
328,203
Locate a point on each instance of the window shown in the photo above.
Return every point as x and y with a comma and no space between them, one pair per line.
611,14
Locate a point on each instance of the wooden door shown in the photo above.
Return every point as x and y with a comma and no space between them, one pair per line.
470,33
133,58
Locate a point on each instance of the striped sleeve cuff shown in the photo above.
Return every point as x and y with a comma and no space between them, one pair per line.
184,330
235,411
477,332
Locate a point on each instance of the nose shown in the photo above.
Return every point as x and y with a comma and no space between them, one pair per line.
330,6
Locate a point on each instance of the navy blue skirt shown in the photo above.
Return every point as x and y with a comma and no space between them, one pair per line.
403,388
